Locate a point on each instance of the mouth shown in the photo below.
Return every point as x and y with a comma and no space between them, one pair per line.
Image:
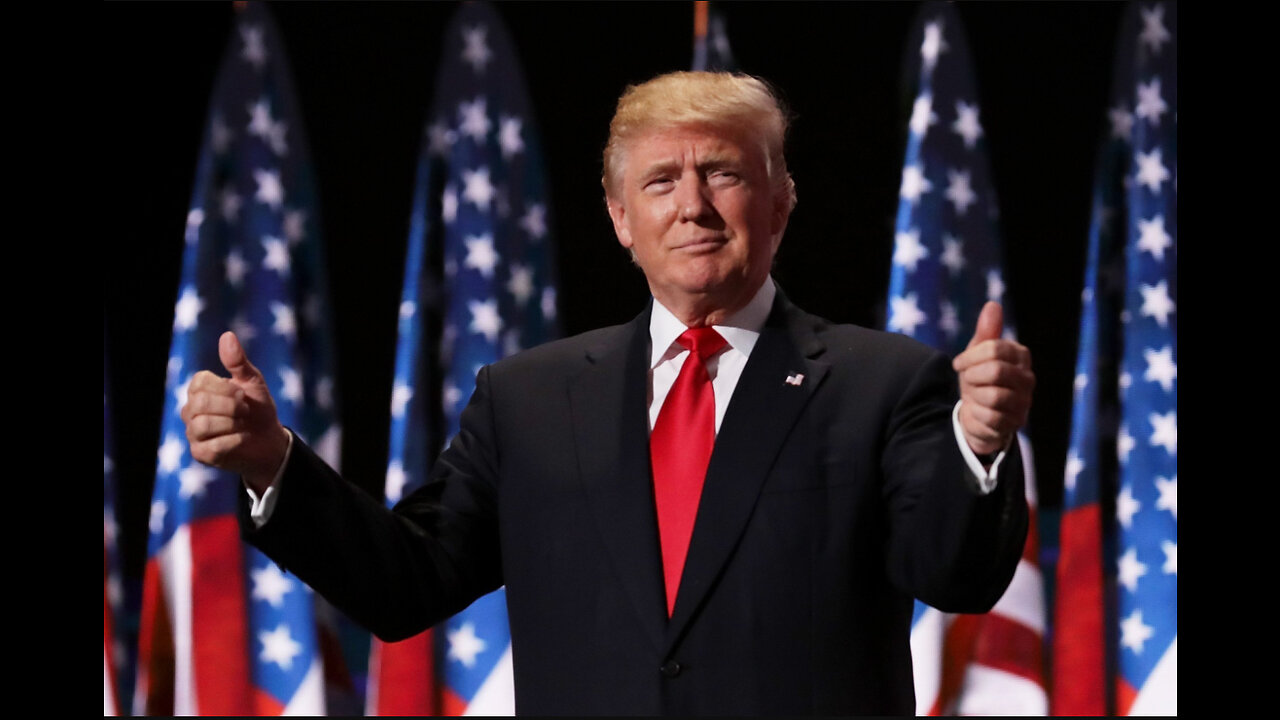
701,245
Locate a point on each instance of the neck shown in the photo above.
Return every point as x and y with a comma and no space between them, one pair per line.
705,310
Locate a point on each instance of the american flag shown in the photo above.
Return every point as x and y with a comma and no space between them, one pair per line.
224,630
946,264
113,653
1118,603
711,49
479,286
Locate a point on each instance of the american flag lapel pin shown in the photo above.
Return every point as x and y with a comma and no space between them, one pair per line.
795,379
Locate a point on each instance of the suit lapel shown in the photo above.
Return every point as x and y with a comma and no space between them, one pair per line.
609,401
759,418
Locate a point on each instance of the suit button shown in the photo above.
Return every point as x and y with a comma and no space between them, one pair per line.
671,668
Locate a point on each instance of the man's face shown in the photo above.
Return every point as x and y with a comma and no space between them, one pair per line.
696,208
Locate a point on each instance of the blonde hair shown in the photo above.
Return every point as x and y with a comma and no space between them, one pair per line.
716,99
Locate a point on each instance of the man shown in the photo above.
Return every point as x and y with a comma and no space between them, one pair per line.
686,521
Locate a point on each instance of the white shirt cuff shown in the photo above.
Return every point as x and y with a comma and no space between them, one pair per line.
260,508
983,478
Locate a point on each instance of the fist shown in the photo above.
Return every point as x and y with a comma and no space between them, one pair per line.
996,383
232,423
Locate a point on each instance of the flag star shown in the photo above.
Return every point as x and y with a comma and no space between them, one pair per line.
236,267
905,314
284,322
450,396
295,226
440,138
1121,123
949,322
465,645
995,286
520,284
324,393
914,184
260,120
243,329
953,254
254,51
509,137
907,250
1133,633
290,385
1154,33
1168,500
548,303
408,309
1170,549
959,191
476,50
1151,169
400,396
270,585
485,319
478,189
277,255
170,453
1125,379
270,191
396,480
1074,467
1081,382
229,203
187,309
922,115
449,204
534,221
1164,431
195,218
933,45
171,369
1160,367
107,465
1130,569
1124,444
1156,302
511,342
278,646
966,124
1152,236
276,138
474,119
1126,507
1150,104
155,523
480,254
193,479
220,135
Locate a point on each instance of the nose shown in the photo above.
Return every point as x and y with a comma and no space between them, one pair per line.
693,198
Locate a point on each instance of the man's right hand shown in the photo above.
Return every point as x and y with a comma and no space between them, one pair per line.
232,423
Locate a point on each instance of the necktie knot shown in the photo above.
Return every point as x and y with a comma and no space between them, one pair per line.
702,341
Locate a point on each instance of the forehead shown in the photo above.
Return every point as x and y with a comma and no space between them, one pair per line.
690,143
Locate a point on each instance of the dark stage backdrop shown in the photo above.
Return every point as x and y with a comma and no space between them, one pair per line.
365,73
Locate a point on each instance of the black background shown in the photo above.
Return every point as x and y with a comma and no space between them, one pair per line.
364,74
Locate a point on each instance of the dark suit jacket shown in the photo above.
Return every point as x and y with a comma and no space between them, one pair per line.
826,507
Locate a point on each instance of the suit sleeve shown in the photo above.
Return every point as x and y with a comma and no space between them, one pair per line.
949,545
397,572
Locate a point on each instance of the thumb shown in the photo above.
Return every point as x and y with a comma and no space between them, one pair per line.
990,323
231,353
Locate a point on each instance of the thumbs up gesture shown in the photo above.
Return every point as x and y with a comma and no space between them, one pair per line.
232,423
995,385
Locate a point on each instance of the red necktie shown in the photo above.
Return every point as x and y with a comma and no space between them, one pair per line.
679,450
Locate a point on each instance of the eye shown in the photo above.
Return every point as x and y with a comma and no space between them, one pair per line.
660,183
723,177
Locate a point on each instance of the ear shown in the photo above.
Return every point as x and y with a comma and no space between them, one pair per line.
618,213
780,215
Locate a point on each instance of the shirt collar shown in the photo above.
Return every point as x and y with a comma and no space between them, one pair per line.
741,329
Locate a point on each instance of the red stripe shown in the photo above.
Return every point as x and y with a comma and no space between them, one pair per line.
1008,645
108,637
265,704
957,649
154,693
220,642
1031,550
1125,696
402,677
1079,684
451,704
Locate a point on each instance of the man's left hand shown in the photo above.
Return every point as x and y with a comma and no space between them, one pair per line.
995,385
